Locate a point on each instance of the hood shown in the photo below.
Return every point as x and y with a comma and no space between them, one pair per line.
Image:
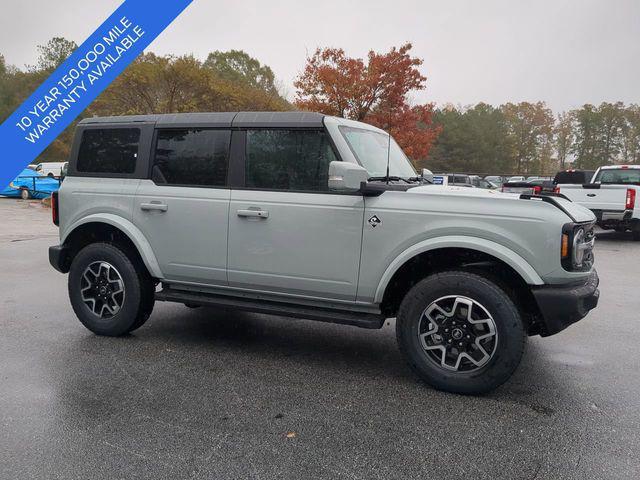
576,212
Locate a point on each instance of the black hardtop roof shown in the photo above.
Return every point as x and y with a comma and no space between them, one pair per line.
218,119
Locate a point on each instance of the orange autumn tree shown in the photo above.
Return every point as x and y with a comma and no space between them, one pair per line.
374,92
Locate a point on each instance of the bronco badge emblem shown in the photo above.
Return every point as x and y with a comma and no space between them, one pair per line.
374,221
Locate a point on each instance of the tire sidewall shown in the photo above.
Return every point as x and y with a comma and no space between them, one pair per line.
509,328
122,322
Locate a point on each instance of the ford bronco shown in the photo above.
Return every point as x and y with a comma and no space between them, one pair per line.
311,216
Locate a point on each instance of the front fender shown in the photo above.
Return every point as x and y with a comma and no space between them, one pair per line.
515,261
129,229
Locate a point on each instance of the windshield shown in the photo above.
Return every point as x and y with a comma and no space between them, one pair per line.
622,176
370,149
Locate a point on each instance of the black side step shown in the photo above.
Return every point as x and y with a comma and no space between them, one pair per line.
357,319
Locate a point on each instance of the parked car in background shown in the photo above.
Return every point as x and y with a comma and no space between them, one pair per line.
573,177
612,196
518,178
50,169
452,179
479,182
459,180
311,216
496,180
29,184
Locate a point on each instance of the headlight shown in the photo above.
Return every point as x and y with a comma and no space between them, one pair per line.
577,247
577,250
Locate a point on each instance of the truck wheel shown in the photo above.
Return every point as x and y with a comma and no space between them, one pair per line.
24,194
108,293
460,332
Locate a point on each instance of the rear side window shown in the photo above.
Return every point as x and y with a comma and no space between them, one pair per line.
622,176
288,160
193,157
109,150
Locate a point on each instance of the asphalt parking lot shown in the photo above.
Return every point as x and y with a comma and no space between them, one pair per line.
213,394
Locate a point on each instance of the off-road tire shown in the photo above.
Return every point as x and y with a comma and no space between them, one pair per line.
508,325
138,298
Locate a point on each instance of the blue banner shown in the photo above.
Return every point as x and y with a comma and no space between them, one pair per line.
80,79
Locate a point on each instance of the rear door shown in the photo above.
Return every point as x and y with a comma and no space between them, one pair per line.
183,208
107,163
287,232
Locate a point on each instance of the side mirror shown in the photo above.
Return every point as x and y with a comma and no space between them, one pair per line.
346,177
427,176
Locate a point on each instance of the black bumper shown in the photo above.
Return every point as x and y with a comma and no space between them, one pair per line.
59,258
562,306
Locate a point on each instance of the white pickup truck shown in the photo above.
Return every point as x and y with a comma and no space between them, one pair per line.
611,196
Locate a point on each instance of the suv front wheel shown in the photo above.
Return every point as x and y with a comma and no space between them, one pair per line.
460,332
110,293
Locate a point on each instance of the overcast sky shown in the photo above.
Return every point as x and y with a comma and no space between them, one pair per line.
565,52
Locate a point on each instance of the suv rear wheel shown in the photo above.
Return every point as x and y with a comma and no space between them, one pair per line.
110,293
460,332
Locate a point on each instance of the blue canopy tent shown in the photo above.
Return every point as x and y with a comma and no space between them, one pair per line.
37,185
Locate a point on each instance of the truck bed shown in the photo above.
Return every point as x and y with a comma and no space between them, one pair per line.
608,202
595,196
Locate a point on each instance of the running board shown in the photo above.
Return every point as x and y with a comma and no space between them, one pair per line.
357,319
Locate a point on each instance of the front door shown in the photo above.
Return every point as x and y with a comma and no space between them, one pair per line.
183,210
287,233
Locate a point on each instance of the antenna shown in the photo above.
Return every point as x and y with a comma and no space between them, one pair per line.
389,145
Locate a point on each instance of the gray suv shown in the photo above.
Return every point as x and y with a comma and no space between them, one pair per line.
311,216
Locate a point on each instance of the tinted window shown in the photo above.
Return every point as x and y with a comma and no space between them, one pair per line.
191,157
623,176
288,160
112,150
573,177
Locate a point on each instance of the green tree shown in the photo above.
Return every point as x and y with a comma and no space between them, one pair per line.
612,122
564,135
53,53
599,133
151,84
474,139
237,66
630,151
586,131
531,127
4,88
15,87
166,84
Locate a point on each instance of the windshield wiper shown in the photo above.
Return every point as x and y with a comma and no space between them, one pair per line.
389,178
